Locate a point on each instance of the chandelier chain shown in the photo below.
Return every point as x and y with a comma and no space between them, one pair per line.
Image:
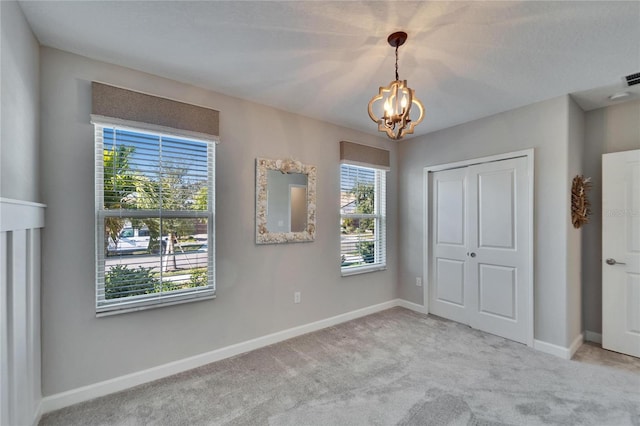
397,62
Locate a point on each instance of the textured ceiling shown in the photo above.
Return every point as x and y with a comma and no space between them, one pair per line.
325,60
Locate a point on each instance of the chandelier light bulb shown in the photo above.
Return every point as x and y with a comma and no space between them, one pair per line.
388,112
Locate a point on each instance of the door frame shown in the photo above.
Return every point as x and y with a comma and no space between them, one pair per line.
291,186
427,171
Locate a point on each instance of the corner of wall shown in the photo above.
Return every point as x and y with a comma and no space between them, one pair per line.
564,352
20,106
575,166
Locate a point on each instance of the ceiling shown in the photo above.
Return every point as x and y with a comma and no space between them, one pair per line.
325,60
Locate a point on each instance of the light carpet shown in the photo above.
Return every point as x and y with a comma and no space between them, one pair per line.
395,367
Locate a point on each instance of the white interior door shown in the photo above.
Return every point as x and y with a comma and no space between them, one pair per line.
448,297
480,247
499,238
621,252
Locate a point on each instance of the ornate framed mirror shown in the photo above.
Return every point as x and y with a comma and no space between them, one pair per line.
285,201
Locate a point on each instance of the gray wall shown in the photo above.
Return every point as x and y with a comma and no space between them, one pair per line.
19,119
20,389
612,129
255,283
543,126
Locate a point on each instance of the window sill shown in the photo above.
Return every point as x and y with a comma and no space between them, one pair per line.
109,311
362,270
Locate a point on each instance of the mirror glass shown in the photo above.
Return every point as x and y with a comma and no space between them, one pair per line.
285,201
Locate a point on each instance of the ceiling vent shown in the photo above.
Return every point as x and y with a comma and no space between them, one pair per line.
632,79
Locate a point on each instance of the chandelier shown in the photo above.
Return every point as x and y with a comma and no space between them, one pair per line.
396,100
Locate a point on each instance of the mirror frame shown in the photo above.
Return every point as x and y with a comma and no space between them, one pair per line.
263,236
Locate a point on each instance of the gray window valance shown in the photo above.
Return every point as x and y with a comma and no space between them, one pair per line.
122,104
364,155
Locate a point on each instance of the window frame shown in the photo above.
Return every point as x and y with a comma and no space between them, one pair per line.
380,222
143,302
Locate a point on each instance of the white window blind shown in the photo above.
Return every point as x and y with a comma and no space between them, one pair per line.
154,218
363,219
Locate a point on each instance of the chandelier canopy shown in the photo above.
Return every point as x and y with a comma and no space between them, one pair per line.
396,101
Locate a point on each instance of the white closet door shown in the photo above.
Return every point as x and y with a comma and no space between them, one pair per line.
480,247
498,263
449,248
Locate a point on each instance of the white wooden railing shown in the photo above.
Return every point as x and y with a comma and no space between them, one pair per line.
20,390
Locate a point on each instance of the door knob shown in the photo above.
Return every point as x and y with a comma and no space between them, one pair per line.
472,254
611,261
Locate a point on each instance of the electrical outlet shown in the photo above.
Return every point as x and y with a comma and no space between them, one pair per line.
296,297
419,281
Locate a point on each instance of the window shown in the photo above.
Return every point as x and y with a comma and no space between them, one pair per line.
362,219
154,218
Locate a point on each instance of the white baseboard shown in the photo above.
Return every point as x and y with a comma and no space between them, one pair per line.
575,345
559,351
551,349
412,306
592,336
85,393
37,415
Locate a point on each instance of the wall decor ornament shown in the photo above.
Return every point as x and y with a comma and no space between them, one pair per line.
580,205
274,212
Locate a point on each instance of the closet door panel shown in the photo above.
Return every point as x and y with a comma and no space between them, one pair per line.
497,270
447,289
